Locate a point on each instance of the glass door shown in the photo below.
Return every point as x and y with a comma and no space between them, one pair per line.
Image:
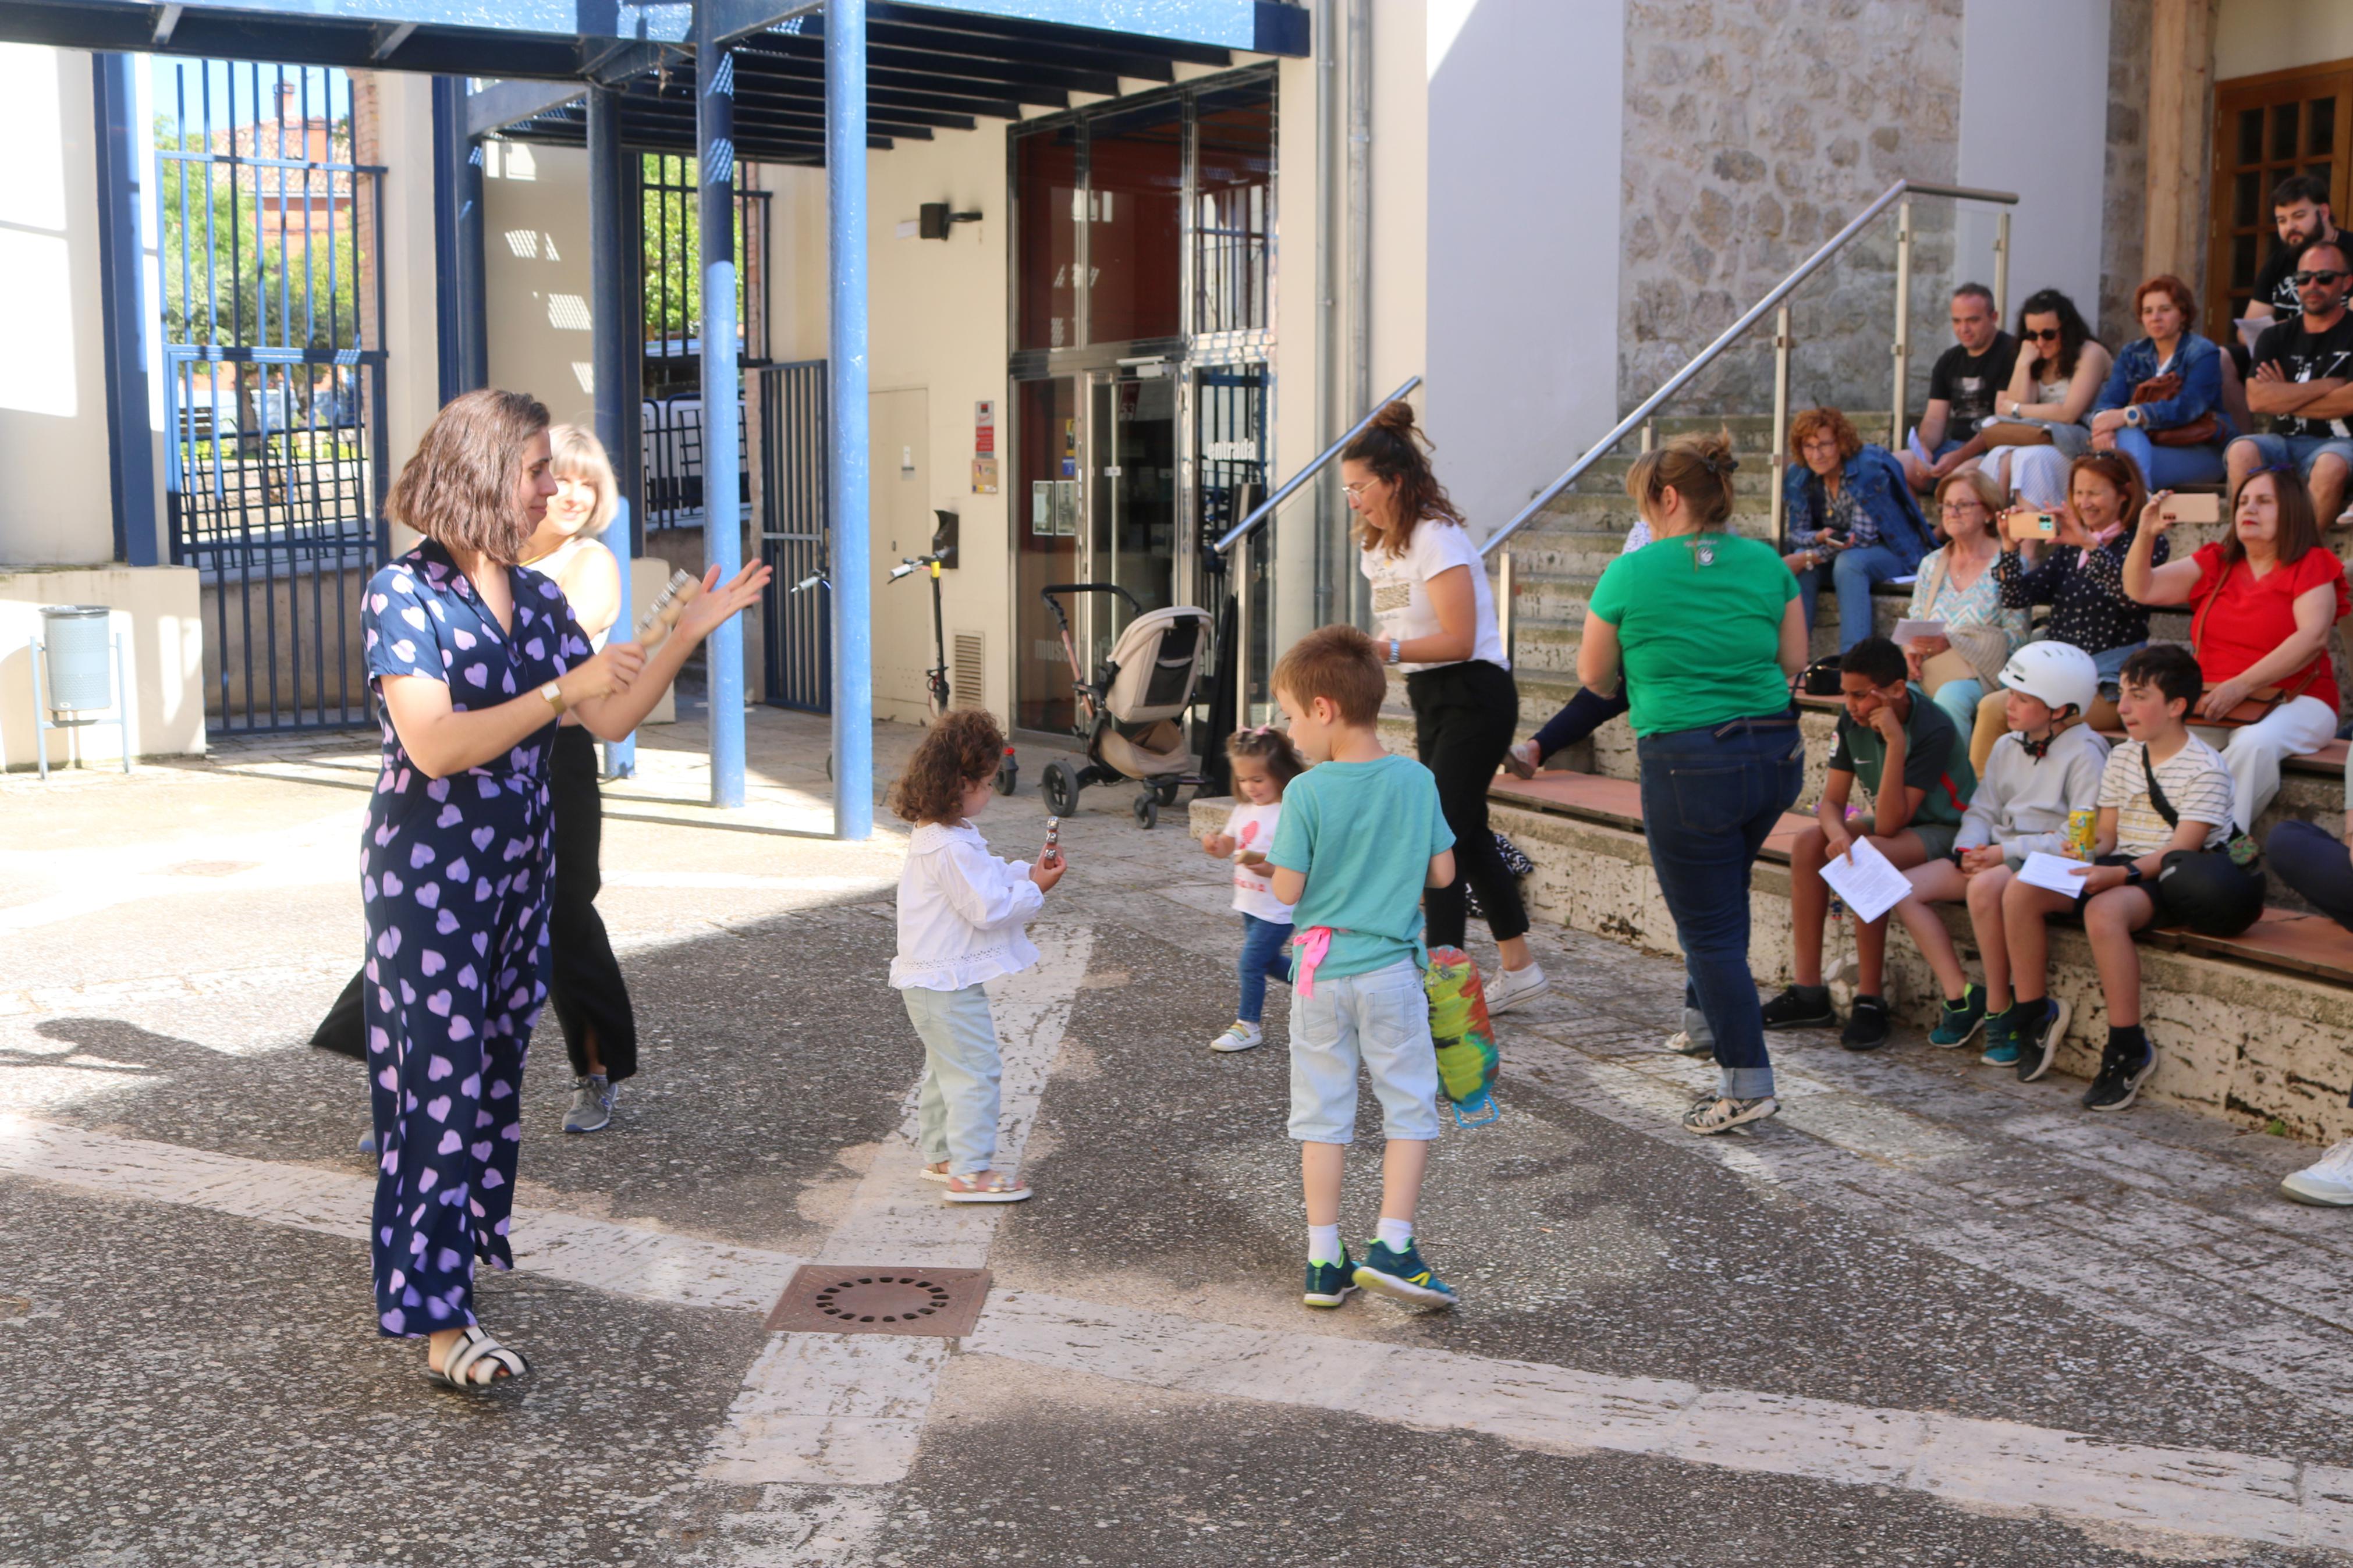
1045,506
1131,499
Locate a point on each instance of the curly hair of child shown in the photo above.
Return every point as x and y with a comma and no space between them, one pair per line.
1271,746
959,751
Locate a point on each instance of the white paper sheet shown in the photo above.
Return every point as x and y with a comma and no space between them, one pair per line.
2055,872
1912,441
2254,327
1870,886
1908,630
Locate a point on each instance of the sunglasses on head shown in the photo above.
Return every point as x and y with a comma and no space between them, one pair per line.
2302,279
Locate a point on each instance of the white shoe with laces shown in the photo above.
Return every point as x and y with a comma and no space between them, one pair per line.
2327,1182
1514,986
1239,1037
1523,760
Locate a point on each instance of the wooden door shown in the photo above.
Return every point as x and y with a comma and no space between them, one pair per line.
2297,121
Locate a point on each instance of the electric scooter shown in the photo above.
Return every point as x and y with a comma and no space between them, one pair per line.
1008,771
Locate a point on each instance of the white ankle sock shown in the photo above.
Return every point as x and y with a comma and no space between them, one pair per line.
1322,1244
1397,1235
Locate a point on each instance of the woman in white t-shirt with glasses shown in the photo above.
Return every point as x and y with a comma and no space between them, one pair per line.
1436,620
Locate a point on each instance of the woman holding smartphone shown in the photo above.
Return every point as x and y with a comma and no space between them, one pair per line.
2078,568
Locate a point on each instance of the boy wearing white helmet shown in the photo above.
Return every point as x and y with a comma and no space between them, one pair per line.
2047,765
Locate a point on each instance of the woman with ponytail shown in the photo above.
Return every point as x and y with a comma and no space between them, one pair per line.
1436,622
1707,629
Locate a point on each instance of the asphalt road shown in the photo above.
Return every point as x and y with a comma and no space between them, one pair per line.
1928,1316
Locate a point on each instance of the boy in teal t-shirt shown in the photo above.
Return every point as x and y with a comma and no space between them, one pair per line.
1362,834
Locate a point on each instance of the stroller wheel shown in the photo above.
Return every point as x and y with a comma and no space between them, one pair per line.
1008,776
1060,785
1167,790
1147,810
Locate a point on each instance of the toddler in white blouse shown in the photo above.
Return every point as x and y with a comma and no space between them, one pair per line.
961,914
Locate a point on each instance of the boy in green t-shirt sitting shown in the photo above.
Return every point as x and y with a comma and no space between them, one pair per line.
1889,729
1362,834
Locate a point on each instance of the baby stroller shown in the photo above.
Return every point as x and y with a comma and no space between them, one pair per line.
1130,716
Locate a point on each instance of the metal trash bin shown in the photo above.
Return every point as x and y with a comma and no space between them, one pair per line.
78,649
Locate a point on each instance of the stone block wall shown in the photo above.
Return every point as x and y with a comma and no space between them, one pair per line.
1753,130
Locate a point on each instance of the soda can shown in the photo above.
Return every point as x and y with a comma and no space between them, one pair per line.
2079,834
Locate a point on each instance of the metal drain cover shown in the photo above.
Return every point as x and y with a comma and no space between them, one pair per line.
833,1299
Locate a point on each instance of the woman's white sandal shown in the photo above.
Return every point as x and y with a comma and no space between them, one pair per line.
473,1347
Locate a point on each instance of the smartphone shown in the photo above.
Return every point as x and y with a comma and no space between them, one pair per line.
2194,507
2034,525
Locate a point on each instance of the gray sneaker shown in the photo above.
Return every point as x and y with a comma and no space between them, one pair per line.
592,1105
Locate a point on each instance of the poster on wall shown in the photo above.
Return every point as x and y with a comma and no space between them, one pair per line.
984,447
1041,508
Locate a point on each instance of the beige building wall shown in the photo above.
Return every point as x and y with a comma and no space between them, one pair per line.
411,330
57,508
156,615
535,274
2252,37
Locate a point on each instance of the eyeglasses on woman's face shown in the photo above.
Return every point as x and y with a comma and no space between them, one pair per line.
2043,334
1962,508
1358,488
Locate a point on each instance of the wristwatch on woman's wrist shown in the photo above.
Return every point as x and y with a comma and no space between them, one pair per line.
1397,648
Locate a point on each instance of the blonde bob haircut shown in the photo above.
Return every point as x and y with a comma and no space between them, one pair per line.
463,487
580,457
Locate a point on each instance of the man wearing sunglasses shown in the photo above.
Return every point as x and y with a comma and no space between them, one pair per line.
2300,210
2304,381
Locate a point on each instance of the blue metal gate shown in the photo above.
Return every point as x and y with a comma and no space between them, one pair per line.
273,390
788,498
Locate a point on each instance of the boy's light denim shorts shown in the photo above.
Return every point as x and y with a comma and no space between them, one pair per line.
1381,1020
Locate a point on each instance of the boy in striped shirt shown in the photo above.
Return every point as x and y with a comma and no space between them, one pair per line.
2161,684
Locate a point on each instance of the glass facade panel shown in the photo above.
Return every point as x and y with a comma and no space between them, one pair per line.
1233,218
1046,530
1046,188
2320,127
1135,175
2284,137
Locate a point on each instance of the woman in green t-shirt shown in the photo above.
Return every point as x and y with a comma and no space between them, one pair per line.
1707,629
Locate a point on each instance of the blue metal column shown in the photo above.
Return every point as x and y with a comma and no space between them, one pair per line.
614,321
723,523
122,301
463,307
853,604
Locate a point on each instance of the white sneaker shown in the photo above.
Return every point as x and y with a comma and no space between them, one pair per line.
1683,1045
2328,1181
592,1105
1522,761
1514,986
1239,1037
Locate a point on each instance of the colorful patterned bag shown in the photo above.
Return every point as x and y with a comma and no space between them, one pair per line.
1465,1037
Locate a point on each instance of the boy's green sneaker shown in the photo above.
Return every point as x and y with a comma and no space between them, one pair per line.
1329,1284
1403,1277
1959,1020
2002,1038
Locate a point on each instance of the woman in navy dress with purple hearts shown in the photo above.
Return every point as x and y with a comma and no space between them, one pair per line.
476,661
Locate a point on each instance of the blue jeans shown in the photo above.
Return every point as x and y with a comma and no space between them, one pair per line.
1852,573
2164,467
1710,798
955,1110
2303,451
1262,960
1960,699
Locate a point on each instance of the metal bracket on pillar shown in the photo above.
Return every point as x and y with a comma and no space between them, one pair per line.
853,608
723,522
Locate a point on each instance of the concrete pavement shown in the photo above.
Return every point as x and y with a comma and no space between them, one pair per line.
1928,1315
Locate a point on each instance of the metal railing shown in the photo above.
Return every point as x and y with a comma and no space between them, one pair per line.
1898,195
1259,515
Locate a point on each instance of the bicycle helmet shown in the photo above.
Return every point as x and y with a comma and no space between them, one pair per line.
2055,674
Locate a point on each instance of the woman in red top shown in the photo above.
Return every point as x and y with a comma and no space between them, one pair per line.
2264,601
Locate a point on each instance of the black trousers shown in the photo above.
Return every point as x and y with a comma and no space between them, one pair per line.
1464,719
590,997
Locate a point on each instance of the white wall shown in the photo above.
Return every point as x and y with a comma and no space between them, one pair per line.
411,331
2032,122
57,507
157,613
1524,113
2252,37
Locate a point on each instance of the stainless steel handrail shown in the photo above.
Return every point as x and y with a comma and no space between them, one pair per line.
1902,190
1265,509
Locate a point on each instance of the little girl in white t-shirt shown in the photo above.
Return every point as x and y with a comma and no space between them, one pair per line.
961,914
1264,762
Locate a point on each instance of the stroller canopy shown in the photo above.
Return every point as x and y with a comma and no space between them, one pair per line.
1159,659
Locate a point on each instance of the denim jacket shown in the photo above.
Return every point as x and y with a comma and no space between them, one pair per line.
2198,364
1879,489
